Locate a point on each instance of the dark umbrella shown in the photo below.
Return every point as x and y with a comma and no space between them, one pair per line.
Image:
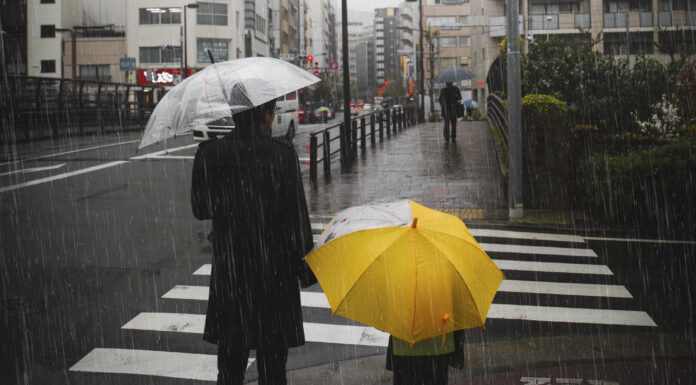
453,75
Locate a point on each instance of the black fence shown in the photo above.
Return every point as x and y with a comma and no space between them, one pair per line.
36,107
373,126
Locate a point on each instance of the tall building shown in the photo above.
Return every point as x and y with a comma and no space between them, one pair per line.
286,28
387,40
449,20
365,59
155,30
322,33
256,39
47,23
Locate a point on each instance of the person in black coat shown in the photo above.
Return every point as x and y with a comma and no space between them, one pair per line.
449,100
250,186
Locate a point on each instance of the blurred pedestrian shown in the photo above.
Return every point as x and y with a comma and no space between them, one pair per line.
449,101
250,186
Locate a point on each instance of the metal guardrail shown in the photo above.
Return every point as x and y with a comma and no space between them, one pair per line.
393,119
35,107
498,116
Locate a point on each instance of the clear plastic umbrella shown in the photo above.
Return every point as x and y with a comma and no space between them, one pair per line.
453,75
220,90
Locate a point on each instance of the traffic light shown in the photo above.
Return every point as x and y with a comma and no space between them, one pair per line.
310,58
386,83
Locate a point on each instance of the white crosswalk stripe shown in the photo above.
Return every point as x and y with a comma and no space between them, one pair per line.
204,367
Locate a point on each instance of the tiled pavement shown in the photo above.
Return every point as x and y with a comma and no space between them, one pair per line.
460,177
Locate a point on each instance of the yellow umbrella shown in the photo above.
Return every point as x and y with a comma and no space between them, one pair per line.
405,269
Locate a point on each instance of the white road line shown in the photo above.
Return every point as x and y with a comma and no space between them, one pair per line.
553,267
71,152
190,366
163,152
503,264
204,270
564,288
34,169
497,311
173,157
521,312
314,332
540,250
679,242
62,176
526,235
570,315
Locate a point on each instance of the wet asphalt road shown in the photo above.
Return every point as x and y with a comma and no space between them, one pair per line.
83,252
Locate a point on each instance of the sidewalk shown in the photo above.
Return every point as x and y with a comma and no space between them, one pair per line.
462,177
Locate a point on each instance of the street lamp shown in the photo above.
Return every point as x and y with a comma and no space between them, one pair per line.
184,43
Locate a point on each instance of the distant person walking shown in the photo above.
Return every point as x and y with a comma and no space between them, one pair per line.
449,101
250,186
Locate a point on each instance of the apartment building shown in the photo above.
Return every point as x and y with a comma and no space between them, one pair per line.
449,21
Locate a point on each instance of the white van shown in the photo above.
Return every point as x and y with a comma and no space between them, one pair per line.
287,116
284,125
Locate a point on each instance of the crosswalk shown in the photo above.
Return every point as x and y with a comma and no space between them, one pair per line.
562,265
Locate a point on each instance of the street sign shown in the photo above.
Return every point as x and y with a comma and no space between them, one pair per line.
126,63
334,65
287,56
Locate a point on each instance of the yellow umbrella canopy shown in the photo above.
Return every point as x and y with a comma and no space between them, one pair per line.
405,269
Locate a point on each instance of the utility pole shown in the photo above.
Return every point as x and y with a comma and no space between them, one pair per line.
514,110
345,129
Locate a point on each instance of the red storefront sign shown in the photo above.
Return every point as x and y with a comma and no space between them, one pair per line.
163,76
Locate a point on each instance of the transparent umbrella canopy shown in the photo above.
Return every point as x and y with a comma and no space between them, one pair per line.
221,90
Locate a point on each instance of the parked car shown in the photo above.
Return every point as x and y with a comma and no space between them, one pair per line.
367,107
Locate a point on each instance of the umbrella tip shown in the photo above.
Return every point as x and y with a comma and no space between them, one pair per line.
413,225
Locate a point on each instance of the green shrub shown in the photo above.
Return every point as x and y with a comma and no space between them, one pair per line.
644,186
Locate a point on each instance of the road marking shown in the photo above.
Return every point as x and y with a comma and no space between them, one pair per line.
497,311
553,267
526,235
174,157
314,332
570,315
564,288
190,366
71,152
62,176
503,264
34,169
641,240
163,152
539,250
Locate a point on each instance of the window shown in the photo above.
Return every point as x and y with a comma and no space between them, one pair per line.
219,49
100,72
464,61
449,41
448,62
465,41
437,21
464,20
160,16
48,1
48,31
48,66
212,14
432,2
156,55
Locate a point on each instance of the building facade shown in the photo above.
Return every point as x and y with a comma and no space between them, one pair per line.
48,23
256,28
155,30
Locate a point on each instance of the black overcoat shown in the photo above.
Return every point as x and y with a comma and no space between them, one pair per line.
250,186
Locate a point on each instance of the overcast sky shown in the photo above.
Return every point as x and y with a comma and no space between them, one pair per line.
367,5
